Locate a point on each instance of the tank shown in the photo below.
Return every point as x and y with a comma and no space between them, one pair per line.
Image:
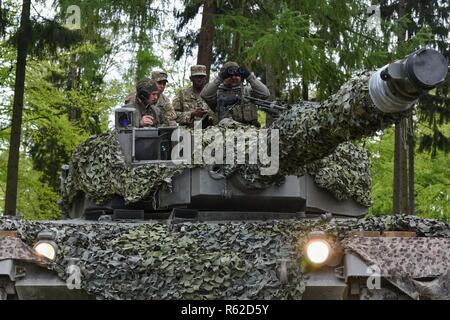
168,182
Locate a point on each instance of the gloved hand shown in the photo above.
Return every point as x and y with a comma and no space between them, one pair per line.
244,72
227,73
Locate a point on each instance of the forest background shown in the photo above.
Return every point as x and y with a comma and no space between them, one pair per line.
83,57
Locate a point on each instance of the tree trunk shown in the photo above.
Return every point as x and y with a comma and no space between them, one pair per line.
2,20
16,123
305,89
206,38
411,155
74,114
272,83
400,190
400,197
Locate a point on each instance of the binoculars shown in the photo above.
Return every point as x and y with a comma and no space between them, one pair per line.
236,71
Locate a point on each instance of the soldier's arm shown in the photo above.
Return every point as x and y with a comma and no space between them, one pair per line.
259,89
183,117
161,118
209,92
169,111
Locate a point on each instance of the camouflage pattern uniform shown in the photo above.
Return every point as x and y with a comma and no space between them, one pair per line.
150,109
187,100
163,102
245,112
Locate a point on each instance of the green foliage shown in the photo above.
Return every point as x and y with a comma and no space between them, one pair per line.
432,191
427,24
36,200
50,136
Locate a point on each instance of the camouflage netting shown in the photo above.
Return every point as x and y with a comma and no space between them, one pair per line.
189,261
308,132
422,227
240,260
408,263
345,173
99,170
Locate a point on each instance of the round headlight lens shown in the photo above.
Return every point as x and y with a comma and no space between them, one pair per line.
318,251
45,249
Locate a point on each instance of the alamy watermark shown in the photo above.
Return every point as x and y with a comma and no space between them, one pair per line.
73,18
230,147
374,279
374,17
74,279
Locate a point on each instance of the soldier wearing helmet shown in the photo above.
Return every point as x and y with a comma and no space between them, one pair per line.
145,103
160,78
230,83
188,104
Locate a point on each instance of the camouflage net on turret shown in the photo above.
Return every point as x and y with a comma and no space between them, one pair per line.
239,260
99,170
311,131
345,173
313,139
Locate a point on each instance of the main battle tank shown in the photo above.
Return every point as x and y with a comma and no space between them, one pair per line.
133,175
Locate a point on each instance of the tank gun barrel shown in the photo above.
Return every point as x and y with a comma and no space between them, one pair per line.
397,86
367,103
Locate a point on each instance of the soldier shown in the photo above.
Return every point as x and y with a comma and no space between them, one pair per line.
144,101
230,83
163,102
188,104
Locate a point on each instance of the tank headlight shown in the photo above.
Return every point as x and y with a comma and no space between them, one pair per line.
317,249
46,246
45,249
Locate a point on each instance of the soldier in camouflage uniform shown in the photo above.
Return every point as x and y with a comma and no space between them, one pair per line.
145,102
188,104
164,102
230,83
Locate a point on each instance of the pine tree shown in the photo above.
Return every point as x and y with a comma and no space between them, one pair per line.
16,127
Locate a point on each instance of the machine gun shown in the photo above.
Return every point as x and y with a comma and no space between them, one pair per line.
227,103
271,107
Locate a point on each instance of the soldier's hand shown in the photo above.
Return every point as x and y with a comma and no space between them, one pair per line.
244,72
198,113
147,121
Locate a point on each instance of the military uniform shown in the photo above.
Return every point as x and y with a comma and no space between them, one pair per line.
159,120
243,112
143,110
164,102
166,107
187,100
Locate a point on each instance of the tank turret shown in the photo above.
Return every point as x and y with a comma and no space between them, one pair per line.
138,166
